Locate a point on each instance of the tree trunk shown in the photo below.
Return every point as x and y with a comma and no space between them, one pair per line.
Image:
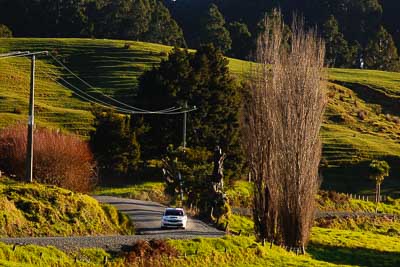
379,193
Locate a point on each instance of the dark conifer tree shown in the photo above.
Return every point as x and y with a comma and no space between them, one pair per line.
381,52
5,32
214,31
338,53
114,145
201,80
390,19
161,88
163,28
241,40
137,19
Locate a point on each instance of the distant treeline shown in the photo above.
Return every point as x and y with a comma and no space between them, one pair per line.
144,20
358,33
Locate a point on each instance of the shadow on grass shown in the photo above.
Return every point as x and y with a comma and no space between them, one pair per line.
374,95
353,178
354,256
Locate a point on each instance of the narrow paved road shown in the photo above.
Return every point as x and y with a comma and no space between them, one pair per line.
146,216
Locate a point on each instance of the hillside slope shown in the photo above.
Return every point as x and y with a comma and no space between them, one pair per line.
361,120
41,210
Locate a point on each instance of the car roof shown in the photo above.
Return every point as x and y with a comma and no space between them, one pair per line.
174,209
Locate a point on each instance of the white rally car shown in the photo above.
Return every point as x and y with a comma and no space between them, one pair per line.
174,217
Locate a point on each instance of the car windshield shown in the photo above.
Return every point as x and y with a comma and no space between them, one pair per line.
173,213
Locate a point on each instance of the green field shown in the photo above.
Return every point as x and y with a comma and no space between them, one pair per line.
361,119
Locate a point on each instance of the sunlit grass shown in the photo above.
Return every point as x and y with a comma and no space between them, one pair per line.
153,191
328,247
41,210
32,255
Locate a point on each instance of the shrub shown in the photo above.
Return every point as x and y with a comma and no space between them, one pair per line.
377,109
396,120
17,111
195,167
392,118
338,199
144,251
59,159
362,115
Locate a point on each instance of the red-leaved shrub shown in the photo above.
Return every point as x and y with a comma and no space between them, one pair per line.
150,253
59,159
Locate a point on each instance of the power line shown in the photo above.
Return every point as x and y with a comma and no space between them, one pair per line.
88,97
23,54
94,100
12,53
93,88
81,94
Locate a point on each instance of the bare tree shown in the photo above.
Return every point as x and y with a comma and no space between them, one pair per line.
282,123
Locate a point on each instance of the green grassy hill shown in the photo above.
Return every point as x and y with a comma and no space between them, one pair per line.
361,120
105,64
41,210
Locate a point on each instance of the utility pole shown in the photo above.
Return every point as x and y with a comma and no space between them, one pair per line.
31,119
184,123
31,122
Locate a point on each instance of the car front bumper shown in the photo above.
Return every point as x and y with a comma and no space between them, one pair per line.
172,224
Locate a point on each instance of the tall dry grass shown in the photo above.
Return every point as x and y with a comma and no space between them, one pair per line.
282,124
59,159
